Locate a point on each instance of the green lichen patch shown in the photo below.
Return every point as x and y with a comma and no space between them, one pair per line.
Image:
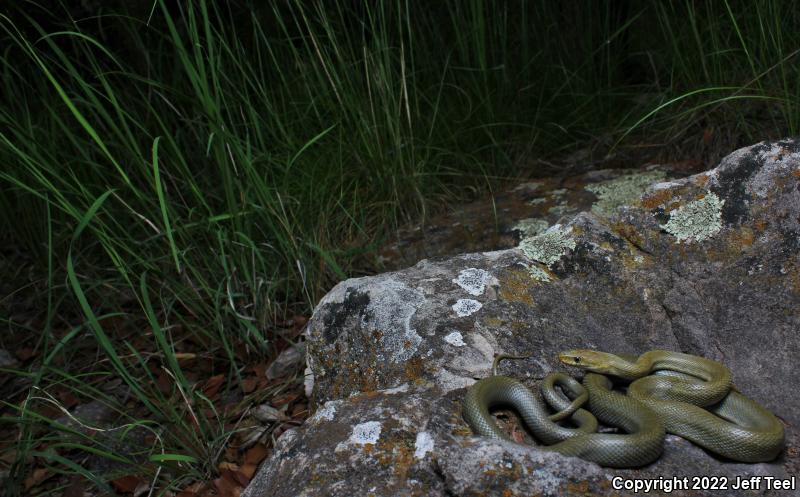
621,191
531,226
560,209
547,247
696,221
536,273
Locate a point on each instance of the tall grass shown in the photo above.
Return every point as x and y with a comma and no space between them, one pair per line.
218,169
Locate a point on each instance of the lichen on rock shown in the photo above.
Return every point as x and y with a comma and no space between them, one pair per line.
537,273
697,220
621,191
465,307
531,226
473,280
548,247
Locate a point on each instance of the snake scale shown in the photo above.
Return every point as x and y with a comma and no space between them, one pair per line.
687,395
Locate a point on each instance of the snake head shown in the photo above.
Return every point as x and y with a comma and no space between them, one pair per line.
590,360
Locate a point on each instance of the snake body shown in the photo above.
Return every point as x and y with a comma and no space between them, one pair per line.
642,445
694,399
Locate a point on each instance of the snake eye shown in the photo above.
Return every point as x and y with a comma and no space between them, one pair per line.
577,360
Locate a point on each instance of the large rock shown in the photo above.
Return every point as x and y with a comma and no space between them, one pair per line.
707,265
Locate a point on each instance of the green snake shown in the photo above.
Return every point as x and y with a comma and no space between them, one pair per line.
695,399
687,395
642,445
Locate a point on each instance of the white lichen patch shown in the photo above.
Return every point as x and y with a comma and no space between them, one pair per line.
536,201
529,186
548,247
455,339
621,191
327,412
392,305
531,226
366,433
664,185
472,280
696,221
423,445
400,389
776,162
448,381
465,307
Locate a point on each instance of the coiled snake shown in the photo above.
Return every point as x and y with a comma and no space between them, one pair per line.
642,445
686,395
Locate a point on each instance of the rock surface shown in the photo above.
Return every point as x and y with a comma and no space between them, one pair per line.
501,221
706,265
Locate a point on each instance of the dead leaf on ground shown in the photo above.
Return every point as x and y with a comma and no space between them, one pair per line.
196,489
36,477
256,454
231,472
249,384
260,370
127,484
75,489
24,353
164,382
286,361
212,385
253,457
300,410
227,465
227,488
67,399
265,413
285,399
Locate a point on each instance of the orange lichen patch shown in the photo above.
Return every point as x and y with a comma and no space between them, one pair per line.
746,237
656,198
760,224
515,285
793,275
519,326
580,487
414,369
634,260
493,321
606,246
701,180
796,173
365,395
396,453
628,232
733,244
462,431
370,382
